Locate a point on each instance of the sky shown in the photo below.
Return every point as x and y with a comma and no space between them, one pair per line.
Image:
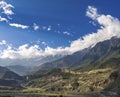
41,28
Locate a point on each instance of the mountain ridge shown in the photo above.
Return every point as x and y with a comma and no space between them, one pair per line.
100,51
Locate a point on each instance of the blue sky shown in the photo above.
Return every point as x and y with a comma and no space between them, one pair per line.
40,28
70,14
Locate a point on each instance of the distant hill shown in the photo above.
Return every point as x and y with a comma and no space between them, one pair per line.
19,69
3,70
5,73
9,79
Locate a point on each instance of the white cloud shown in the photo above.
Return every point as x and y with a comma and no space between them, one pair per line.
6,8
66,33
3,19
23,51
44,43
110,27
49,28
39,42
3,42
35,26
92,12
19,25
26,51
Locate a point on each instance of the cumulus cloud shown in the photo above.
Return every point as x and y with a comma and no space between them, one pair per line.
109,27
35,26
22,52
6,8
19,25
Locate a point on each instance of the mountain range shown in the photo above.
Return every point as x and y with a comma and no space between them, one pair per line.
102,53
93,70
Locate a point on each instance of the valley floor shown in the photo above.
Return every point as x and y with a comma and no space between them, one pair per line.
80,84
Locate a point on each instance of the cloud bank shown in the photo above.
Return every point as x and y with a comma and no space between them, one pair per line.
109,27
